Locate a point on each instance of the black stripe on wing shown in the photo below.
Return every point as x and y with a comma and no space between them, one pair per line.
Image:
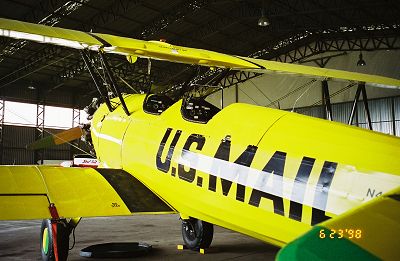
136,196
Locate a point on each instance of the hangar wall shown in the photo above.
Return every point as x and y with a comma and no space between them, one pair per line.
272,90
385,114
15,139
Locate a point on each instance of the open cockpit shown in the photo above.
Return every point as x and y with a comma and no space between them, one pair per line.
194,109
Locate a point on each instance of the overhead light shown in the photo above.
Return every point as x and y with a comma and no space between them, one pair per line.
31,87
361,61
263,21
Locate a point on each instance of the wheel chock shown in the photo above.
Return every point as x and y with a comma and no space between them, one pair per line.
183,247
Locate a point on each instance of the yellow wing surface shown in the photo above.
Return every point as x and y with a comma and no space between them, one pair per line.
26,192
369,232
133,48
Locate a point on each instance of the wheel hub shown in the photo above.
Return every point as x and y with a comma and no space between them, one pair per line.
45,242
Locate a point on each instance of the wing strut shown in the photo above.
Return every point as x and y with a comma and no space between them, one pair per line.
114,86
89,66
108,80
326,100
361,90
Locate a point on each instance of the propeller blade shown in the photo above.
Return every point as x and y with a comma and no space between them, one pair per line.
57,139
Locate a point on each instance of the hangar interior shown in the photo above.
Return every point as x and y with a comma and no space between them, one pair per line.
331,34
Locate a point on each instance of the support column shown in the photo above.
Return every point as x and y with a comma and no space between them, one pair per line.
326,100
393,117
76,119
236,93
39,132
1,127
222,98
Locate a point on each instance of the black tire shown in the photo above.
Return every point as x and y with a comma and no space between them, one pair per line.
197,233
46,240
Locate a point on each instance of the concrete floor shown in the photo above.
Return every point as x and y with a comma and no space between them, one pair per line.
19,240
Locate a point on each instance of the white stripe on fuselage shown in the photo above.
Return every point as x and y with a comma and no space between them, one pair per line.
263,181
106,137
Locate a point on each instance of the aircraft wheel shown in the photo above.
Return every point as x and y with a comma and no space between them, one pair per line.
197,233
46,240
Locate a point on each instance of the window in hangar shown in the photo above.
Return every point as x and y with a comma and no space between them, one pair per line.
25,114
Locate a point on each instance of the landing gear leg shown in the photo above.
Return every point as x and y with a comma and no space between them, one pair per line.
54,238
197,234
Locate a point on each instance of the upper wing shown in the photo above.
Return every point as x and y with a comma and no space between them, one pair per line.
370,232
26,192
323,73
173,53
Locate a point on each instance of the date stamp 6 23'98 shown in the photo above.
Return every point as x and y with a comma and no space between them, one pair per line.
350,233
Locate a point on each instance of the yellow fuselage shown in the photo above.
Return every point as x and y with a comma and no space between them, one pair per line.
266,173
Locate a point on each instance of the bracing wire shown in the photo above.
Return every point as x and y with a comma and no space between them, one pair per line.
298,98
305,85
291,92
248,96
330,96
262,92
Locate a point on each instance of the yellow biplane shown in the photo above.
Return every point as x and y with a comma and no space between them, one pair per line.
320,189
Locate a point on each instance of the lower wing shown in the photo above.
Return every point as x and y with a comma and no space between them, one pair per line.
369,232
39,192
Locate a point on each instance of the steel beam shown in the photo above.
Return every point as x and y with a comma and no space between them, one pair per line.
236,93
393,110
326,100
76,120
304,46
58,9
309,49
76,117
175,14
1,127
39,132
117,9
